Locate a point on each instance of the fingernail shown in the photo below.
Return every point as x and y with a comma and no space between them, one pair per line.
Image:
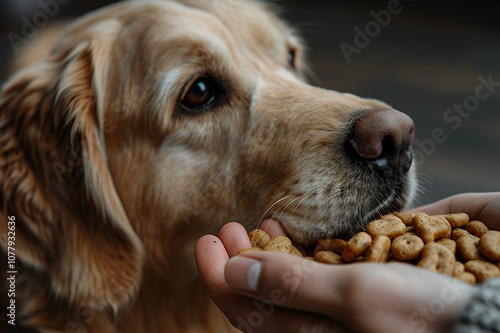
243,273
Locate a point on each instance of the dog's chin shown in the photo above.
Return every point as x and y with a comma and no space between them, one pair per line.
341,223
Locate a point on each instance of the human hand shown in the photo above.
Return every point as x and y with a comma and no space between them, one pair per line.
250,314
290,294
284,293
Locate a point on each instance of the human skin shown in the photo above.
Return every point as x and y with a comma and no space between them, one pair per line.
305,296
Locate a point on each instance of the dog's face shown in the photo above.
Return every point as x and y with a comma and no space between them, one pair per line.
162,121
234,132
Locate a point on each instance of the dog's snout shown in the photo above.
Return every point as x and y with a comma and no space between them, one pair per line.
384,137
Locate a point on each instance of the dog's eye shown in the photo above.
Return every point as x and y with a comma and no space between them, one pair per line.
291,58
201,94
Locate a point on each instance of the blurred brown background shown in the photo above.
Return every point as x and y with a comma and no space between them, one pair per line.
428,59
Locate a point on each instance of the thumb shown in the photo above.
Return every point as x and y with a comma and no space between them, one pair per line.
289,281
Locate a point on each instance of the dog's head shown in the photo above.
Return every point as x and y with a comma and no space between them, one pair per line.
152,123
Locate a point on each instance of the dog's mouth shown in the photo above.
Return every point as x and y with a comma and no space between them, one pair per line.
343,222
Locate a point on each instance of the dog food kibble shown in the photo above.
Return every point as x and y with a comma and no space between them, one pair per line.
458,269
489,245
431,228
458,233
482,270
436,257
328,257
468,247
405,217
449,244
295,251
466,277
457,220
336,245
279,244
251,249
407,247
356,246
477,228
379,250
391,228
259,238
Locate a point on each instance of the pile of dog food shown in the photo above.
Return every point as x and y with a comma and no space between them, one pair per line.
448,244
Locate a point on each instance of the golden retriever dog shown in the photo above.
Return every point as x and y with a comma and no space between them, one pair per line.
152,123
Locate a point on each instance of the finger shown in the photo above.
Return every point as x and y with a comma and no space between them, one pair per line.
303,284
234,237
211,258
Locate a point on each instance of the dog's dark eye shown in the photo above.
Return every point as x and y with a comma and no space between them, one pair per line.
291,58
201,94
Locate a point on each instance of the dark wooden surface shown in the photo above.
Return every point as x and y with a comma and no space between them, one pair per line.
427,59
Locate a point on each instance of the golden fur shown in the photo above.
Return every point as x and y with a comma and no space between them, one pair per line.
111,183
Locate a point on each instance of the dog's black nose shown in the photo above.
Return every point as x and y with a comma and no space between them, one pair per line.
384,138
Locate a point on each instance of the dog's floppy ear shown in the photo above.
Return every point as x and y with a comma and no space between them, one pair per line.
70,225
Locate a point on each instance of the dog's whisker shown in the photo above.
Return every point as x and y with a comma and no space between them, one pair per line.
300,202
276,212
384,202
283,210
421,191
267,211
